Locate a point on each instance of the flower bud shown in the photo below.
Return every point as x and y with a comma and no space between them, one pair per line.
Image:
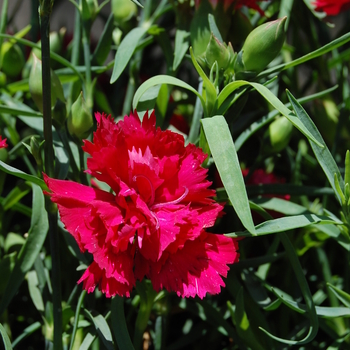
12,59
80,120
277,136
261,46
35,85
217,51
123,10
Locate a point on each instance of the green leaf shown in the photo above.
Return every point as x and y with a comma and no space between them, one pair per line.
34,291
305,290
30,250
119,327
209,91
276,103
18,111
285,224
243,325
213,27
323,154
5,338
7,263
102,329
273,100
257,125
22,175
319,52
159,80
104,44
340,294
321,311
26,332
223,151
125,51
181,46
15,195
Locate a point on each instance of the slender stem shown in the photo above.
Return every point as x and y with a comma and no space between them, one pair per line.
76,318
197,115
87,55
75,53
45,12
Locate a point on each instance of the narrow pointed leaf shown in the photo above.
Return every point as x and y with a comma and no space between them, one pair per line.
181,46
21,174
159,80
5,338
125,51
285,224
323,154
119,327
223,151
305,290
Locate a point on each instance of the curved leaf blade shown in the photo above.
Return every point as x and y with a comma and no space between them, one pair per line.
323,155
159,80
125,51
285,224
21,174
224,153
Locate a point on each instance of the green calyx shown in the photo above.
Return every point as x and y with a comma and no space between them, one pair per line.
80,120
261,46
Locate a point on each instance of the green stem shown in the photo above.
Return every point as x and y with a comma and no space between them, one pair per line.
197,115
76,318
3,22
75,54
86,49
83,178
45,12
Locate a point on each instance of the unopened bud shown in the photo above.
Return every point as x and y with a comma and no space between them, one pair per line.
35,85
277,136
12,59
123,10
80,120
217,51
261,46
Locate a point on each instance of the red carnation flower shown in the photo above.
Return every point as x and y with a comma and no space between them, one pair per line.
331,7
3,143
152,223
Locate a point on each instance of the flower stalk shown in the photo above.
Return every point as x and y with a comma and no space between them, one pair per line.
45,13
